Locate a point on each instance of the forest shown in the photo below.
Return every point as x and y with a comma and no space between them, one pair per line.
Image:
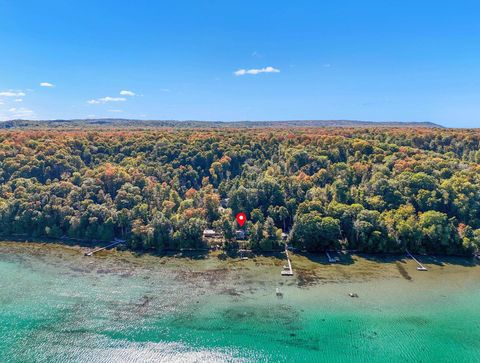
366,189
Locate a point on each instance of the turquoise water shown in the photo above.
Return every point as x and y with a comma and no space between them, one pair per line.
58,306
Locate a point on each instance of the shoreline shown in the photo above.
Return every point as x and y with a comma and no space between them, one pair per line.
309,270
186,253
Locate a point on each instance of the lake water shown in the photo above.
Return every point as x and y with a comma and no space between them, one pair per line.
58,306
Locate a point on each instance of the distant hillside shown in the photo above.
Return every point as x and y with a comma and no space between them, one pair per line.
129,123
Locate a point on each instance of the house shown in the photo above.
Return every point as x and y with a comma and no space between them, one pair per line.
209,233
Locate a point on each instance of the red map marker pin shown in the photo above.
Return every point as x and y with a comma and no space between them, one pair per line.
241,219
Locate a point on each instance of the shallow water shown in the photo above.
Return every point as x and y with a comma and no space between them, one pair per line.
58,306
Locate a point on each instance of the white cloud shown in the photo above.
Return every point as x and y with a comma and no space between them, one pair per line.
12,94
46,84
127,93
112,99
18,100
106,99
21,112
242,72
115,111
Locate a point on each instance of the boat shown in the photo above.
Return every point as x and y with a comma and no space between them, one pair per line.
278,292
352,294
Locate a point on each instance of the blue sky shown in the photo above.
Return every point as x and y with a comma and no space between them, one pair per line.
241,60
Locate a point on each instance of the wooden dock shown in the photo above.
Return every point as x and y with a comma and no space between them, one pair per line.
332,259
420,266
287,270
113,244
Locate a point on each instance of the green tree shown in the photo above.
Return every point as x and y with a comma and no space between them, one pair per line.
436,229
269,241
226,226
315,233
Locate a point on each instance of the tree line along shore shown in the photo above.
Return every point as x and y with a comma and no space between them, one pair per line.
365,189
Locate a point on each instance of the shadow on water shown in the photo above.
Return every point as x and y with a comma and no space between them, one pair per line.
438,260
347,258
202,254
383,257
321,258
442,260
403,271
234,254
71,242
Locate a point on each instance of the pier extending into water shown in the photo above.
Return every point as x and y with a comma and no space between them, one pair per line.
420,266
287,270
331,259
113,244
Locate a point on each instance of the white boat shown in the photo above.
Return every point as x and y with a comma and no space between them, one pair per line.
278,292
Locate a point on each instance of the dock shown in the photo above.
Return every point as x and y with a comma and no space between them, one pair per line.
113,244
332,259
420,266
287,270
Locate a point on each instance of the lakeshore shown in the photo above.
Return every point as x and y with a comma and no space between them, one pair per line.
59,305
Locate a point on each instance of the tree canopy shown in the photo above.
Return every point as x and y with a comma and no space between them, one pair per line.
370,189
